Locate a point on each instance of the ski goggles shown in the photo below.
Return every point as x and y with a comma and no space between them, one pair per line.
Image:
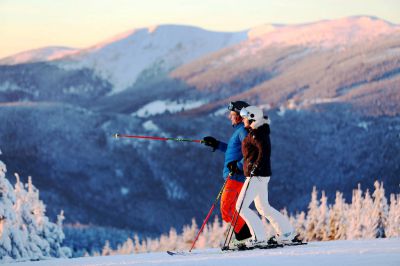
232,107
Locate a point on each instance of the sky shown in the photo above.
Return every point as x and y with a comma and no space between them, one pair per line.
31,24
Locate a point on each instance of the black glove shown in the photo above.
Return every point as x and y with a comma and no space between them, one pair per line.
211,141
233,168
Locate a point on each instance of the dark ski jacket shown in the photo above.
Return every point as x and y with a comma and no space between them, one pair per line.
256,149
233,151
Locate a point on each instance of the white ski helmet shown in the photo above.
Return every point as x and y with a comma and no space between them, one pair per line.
252,113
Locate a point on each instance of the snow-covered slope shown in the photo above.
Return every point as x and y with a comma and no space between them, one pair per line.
150,52
37,55
364,252
326,33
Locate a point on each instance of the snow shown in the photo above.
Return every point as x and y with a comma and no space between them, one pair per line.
36,55
330,253
7,86
221,112
162,106
124,191
151,126
364,125
156,49
327,33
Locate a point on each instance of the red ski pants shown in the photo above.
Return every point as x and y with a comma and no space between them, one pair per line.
228,202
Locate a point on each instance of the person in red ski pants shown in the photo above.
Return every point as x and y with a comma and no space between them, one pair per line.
232,169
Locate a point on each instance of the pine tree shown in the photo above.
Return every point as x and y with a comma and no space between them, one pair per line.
173,239
107,250
11,246
312,216
26,232
354,229
380,208
338,218
300,224
393,221
217,233
369,218
322,230
189,233
202,241
127,247
139,246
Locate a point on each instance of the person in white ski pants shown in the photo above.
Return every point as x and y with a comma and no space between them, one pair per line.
256,148
257,191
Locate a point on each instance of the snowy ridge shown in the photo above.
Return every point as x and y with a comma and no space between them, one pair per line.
37,55
327,33
331,253
156,50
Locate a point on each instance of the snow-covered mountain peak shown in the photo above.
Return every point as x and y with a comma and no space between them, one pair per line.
326,33
261,30
151,50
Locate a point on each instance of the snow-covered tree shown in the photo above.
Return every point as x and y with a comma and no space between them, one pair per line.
393,220
140,247
338,219
127,247
312,216
369,218
26,232
217,232
107,250
322,228
380,209
189,232
354,229
357,220
300,224
11,244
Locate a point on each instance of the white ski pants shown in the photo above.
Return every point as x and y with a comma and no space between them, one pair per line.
257,191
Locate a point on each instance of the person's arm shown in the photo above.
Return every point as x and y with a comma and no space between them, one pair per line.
262,145
222,146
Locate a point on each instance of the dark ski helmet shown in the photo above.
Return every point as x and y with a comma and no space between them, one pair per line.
237,106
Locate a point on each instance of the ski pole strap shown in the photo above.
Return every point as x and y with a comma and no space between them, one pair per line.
157,138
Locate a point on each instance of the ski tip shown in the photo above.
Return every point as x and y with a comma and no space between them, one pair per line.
171,253
116,135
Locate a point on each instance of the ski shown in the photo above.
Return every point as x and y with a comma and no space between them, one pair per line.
227,250
295,244
243,248
190,253
173,253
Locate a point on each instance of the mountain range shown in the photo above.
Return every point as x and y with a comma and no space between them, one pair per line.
331,89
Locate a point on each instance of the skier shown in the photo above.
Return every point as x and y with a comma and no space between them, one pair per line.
256,148
231,170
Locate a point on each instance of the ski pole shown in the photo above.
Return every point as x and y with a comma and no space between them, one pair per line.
235,218
156,138
209,214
